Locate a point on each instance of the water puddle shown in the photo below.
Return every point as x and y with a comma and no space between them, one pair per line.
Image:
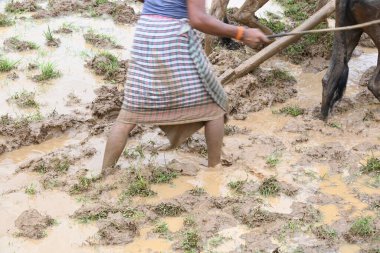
175,224
330,213
349,248
335,185
10,161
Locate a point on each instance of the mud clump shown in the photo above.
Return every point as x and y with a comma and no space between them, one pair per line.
261,89
169,209
108,102
64,30
117,230
367,76
22,6
101,40
32,224
34,129
121,12
107,65
14,44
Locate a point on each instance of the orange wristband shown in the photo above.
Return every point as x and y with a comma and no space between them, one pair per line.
239,33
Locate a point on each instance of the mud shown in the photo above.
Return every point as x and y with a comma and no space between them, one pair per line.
32,224
259,90
22,6
366,41
15,44
120,11
100,41
109,67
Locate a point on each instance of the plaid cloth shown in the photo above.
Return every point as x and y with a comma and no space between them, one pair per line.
169,75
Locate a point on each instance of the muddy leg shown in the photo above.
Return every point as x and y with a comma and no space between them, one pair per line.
335,80
115,145
374,84
214,131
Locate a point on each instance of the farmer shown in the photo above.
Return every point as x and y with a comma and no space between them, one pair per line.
170,82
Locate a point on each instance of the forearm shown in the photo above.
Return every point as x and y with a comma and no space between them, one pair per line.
210,25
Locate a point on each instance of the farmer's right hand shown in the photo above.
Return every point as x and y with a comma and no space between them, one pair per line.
253,37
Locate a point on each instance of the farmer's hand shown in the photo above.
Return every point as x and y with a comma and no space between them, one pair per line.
254,37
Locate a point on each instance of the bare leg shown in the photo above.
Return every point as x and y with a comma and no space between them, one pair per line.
115,145
214,131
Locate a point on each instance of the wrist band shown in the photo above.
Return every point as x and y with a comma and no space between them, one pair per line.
239,33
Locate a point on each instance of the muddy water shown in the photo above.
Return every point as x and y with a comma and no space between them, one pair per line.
70,236
68,58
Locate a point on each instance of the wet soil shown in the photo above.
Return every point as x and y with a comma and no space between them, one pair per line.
288,183
32,224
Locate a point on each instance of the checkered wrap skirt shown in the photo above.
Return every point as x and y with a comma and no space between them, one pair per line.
169,78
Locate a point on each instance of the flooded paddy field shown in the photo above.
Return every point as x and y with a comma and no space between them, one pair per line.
289,182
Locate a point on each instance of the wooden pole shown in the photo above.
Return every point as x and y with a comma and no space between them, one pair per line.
278,45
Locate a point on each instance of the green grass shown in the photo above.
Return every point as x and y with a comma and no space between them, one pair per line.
334,125
99,2
139,187
280,76
5,21
292,110
24,99
373,165
191,241
109,66
237,186
7,64
273,160
82,185
325,233
197,191
160,176
134,153
189,221
298,10
274,23
31,190
132,213
270,187
94,38
168,209
49,35
48,71
161,228
13,6
93,217
363,227
20,45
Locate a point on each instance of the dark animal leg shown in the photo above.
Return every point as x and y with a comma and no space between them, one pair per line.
374,84
335,80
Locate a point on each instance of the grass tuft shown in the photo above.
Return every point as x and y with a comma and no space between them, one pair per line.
25,99
31,190
273,160
191,241
48,72
134,153
292,110
7,64
197,191
168,209
5,21
270,187
82,185
236,186
160,177
161,228
363,227
139,187
373,165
